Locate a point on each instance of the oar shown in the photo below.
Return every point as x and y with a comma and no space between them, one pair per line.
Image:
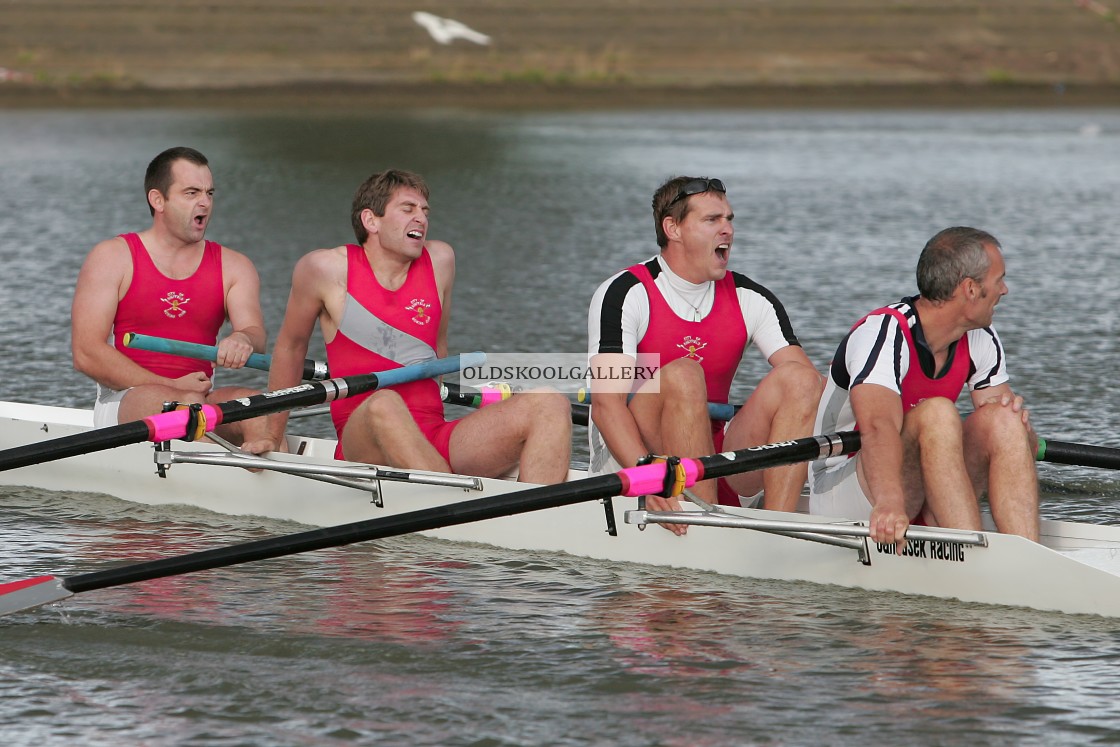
178,423
634,481
716,410
1082,455
1054,452
457,394
312,370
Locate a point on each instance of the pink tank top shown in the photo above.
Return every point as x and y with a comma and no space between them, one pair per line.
916,386
192,309
716,342
382,330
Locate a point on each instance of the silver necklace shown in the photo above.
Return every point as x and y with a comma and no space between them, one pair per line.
694,306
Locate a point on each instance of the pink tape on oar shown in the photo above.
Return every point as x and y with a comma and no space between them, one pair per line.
649,479
168,425
491,395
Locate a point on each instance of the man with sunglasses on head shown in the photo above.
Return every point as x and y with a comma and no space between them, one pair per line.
382,303
685,306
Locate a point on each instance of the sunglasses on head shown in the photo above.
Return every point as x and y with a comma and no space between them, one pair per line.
696,187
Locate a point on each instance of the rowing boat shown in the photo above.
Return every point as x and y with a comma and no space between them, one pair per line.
1075,569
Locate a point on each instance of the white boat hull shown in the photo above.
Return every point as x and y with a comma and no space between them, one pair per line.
1076,569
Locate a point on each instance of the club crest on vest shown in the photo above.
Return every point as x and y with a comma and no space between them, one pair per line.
175,302
692,346
419,307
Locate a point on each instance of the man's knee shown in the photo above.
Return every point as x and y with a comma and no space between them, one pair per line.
935,411
800,384
683,378
381,407
997,422
553,406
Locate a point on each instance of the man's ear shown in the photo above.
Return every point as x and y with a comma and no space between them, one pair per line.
671,228
370,221
156,199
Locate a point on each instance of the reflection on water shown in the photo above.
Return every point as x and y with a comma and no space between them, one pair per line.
373,637
415,641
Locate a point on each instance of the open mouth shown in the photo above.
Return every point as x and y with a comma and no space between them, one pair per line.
415,234
723,251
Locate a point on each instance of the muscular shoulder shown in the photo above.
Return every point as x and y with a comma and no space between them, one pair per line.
443,263
110,253
107,262
236,265
323,262
440,251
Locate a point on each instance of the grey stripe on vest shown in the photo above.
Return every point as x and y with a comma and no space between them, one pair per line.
372,333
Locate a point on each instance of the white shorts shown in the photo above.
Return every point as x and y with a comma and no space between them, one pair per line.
836,492
106,406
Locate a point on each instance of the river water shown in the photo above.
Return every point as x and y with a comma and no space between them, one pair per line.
420,642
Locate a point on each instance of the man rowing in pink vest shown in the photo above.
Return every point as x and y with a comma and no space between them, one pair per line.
167,281
687,307
383,303
897,376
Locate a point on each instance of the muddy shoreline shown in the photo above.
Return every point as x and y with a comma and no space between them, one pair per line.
575,54
523,97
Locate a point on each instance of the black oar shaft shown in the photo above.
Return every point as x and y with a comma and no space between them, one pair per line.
492,507
1083,455
549,496
100,439
168,425
789,452
68,446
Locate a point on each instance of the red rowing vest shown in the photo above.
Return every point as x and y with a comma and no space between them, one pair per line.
192,309
916,386
382,330
716,342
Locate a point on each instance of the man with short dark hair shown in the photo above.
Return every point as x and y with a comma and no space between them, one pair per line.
384,303
685,306
897,376
167,281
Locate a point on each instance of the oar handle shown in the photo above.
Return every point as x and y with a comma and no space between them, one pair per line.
312,370
456,394
649,479
716,410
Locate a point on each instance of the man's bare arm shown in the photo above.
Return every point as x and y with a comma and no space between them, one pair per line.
878,412
610,410
243,307
311,280
443,264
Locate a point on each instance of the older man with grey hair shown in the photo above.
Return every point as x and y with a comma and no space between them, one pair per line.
897,375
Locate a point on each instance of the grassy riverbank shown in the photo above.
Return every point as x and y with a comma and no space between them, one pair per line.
562,53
